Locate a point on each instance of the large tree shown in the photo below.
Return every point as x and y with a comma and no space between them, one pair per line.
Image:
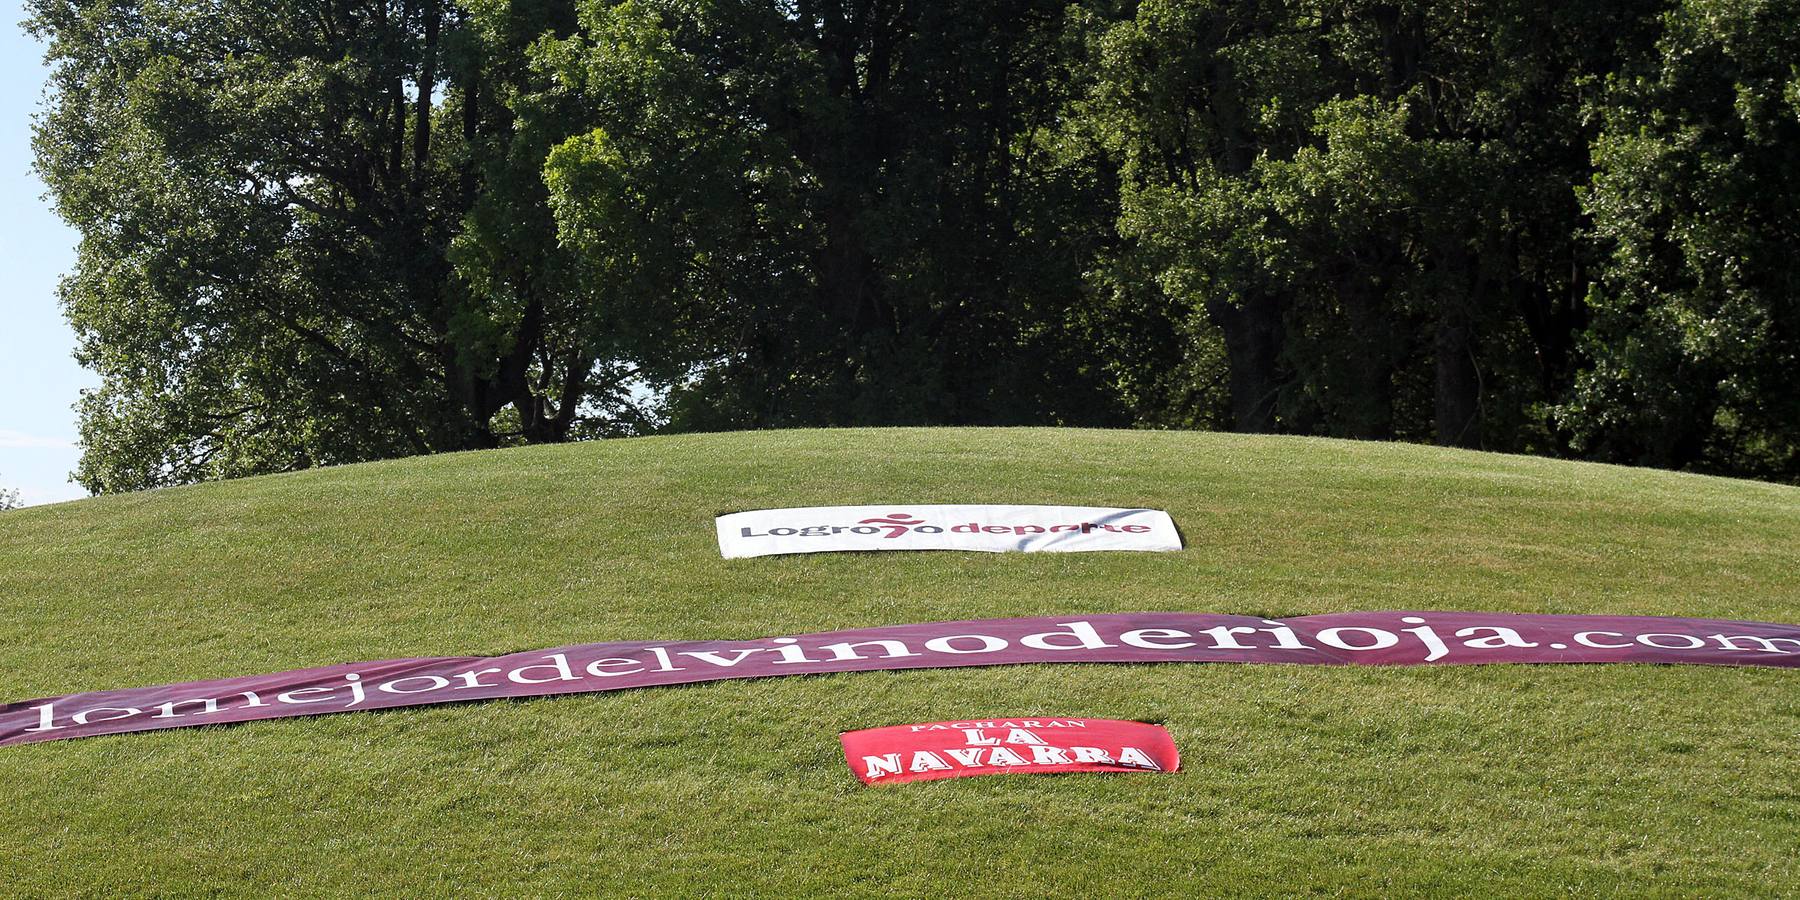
852,212
317,233
1695,340
1370,204
308,236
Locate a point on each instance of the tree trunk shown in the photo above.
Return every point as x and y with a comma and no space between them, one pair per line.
1457,404
1364,404
1254,336
427,84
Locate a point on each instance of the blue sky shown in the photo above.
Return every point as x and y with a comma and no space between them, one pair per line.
39,381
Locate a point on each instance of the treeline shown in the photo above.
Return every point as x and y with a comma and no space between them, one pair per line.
319,231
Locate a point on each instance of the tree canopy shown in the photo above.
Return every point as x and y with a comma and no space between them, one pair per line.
321,232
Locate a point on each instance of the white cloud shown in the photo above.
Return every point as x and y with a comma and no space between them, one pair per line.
19,440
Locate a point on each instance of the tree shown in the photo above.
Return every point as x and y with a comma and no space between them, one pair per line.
1369,204
838,212
9,499
309,234
1695,195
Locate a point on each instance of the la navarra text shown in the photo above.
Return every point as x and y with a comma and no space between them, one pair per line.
1006,746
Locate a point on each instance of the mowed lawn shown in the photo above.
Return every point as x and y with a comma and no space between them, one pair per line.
1522,780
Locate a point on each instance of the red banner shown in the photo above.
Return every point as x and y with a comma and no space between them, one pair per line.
1332,639
997,746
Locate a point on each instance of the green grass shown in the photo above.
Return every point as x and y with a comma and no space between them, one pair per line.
1583,780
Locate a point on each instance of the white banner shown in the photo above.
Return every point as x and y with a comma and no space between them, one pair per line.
992,529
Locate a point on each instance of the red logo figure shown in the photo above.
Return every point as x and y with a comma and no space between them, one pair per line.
896,524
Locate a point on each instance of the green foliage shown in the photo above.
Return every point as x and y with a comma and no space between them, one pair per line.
1369,204
306,244
835,213
1696,331
1495,224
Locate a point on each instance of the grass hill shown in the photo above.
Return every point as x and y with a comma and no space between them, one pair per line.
1492,779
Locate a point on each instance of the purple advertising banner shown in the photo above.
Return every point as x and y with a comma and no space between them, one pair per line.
1357,638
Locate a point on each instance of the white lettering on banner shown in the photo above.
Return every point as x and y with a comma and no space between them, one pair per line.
1387,638
989,529
979,757
886,764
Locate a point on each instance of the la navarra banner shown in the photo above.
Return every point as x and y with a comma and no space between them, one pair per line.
1356,638
997,746
990,529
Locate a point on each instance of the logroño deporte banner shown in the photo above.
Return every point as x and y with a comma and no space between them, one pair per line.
1365,638
990,529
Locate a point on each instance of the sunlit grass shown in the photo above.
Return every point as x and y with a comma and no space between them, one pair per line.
1499,779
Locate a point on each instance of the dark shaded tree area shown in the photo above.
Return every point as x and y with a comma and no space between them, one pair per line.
337,230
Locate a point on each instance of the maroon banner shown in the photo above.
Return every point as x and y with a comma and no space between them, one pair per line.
1384,638
999,746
